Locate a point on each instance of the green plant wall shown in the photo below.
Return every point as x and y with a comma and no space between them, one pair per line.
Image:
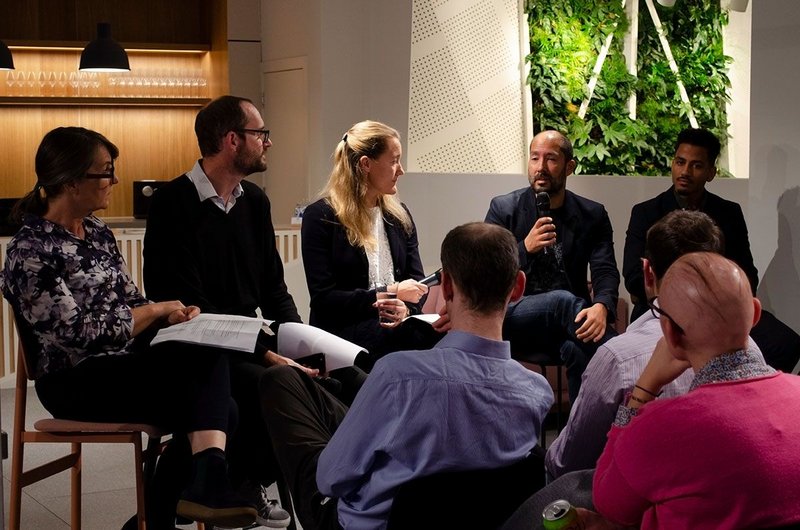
566,38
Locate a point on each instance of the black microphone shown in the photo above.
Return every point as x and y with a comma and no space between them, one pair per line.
433,279
543,209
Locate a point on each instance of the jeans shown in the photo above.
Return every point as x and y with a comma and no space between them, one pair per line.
545,323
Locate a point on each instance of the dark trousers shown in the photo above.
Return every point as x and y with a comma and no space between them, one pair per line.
178,387
575,487
545,323
250,455
778,342
301,418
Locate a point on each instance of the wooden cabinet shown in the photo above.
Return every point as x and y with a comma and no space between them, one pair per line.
140,21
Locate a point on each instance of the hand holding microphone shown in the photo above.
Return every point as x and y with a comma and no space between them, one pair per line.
433,279
543,233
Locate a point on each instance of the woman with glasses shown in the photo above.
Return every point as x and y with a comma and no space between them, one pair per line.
87,327
360,248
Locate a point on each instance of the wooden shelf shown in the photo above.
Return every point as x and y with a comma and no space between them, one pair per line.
22,101
52,45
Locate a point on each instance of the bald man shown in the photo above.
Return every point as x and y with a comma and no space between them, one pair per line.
725,454
557,243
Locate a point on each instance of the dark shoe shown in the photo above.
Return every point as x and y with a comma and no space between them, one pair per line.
227,510
270,513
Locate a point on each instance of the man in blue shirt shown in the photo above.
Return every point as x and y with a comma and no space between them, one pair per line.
463,405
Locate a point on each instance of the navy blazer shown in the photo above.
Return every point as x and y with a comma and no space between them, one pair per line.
587,240
728,216
337,273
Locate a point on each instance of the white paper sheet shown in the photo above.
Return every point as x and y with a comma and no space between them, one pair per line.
300,340
430,318
232,332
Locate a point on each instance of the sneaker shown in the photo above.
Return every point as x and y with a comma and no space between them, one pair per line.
270,513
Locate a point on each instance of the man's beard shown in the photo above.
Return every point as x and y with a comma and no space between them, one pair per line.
554,185
248,166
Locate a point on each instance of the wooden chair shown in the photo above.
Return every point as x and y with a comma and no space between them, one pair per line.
74,433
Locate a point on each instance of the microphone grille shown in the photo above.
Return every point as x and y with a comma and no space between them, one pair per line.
543,200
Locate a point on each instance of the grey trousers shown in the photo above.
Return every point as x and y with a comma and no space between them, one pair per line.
575,487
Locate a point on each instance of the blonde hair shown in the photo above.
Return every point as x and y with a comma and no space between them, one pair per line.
346,190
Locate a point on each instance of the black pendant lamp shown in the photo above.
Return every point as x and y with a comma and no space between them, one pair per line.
6,60
104,54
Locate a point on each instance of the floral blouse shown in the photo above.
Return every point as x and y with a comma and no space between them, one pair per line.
76,294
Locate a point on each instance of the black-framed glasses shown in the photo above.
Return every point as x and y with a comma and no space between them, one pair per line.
658,313
263,133
110,175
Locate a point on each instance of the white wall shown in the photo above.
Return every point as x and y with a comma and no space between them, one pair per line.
774,218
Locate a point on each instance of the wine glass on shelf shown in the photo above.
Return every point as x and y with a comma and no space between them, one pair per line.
203,82
41,83
62,83
30,84
11,79
52,80
74,84
163,82
194,83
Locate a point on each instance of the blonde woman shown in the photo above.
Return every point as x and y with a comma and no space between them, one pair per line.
360,247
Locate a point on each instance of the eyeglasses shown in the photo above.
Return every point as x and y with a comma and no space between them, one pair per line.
658,313
263,133
110,175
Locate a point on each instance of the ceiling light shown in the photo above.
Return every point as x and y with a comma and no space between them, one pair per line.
6,60
104,54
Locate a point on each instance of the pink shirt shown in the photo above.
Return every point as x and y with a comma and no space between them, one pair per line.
725,455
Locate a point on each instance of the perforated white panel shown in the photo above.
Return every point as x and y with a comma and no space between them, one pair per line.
466,103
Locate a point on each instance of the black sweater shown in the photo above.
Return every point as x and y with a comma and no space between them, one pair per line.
223,263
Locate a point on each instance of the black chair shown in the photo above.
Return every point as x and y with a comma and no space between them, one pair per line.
544,361
479,499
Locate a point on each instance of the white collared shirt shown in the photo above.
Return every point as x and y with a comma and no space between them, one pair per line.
205,190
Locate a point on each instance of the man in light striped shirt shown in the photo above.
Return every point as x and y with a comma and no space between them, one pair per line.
618,363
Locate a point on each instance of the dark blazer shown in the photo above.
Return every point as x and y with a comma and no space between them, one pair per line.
588,241
337,273
727,214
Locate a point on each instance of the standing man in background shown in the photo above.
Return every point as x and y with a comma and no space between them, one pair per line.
693,166
555,248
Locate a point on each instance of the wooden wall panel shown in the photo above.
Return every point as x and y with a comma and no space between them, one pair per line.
155,143
144,21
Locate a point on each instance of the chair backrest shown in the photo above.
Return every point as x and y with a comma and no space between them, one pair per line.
28,345
480,499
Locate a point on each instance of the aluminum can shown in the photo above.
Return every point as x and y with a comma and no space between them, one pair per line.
561,515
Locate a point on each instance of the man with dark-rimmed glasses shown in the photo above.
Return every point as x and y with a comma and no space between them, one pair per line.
616,366
210,239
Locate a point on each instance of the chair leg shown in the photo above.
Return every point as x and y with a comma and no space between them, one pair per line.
15,504
543,435
560,399
76,487
286,501
139,474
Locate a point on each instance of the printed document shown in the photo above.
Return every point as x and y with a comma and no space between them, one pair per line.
232,332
